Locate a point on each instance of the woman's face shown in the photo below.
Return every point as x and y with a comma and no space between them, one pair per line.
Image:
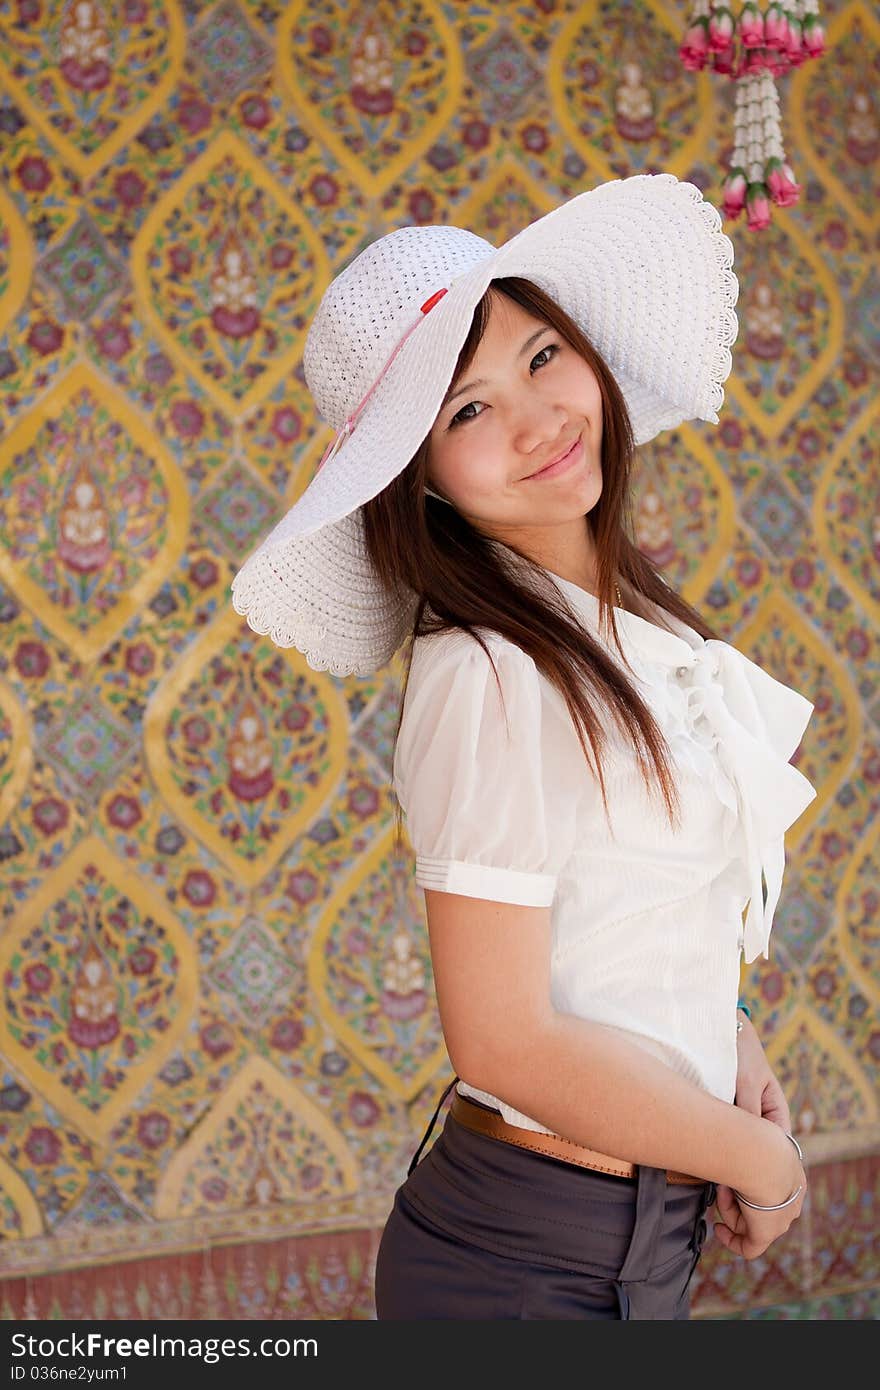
526,396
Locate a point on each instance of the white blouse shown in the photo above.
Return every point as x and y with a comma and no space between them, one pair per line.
647,923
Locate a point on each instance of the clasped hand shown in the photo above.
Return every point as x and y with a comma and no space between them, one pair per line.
741,1229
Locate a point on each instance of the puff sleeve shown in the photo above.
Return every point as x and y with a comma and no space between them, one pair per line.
489,801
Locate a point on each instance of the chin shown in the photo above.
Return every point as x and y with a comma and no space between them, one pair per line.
587,492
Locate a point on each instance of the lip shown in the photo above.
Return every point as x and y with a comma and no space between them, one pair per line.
562,465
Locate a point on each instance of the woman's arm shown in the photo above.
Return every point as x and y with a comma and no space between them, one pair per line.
579,1078
600,1089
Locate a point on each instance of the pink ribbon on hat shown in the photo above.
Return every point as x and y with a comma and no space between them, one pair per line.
336,444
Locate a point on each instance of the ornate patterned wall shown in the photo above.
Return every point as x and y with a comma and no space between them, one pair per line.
221,1042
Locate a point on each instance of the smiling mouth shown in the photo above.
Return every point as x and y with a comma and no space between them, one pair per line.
560,464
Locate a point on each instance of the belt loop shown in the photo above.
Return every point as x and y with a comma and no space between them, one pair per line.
650,1206
415,1158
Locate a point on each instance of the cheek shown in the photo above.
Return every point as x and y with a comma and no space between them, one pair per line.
585,389
470,470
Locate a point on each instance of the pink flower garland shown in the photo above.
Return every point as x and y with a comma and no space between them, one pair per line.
753,48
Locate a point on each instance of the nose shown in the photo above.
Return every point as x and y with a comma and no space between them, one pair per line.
540,425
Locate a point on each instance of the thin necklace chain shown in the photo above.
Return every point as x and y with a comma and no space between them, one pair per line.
619,599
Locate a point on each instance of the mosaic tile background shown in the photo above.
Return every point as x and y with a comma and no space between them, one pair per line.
219,1035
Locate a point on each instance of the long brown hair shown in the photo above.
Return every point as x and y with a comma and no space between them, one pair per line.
467,580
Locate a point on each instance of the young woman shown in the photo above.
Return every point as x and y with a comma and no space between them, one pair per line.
596,785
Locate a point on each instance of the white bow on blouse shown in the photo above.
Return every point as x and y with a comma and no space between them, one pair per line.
758,722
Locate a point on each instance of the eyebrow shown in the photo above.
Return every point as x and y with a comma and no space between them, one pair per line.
471,385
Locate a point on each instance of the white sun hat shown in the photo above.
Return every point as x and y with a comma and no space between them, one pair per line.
641,265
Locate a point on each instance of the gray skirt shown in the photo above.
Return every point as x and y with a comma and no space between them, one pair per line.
482,1229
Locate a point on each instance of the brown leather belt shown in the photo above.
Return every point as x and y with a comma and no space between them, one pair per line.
482,1120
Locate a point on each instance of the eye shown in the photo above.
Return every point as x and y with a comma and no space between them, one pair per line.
459,418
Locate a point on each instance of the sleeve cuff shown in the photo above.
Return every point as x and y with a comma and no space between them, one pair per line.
484,881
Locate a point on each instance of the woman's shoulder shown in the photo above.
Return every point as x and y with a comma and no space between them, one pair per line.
456,644
453,670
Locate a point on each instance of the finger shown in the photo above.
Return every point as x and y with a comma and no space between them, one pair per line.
729,1239
739,1244
774,1106
748,1097
728,1207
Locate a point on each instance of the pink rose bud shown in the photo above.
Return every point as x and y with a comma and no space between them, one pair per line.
725,63
750,25
781,183
757,208
775,27
794,45
814,35
721,29
755,60
734,193
779,63
694,48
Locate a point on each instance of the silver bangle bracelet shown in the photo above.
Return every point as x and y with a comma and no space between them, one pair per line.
777,1206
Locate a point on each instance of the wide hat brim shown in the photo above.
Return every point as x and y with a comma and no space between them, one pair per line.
641,265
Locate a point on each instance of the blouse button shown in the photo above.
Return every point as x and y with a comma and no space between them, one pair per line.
681,671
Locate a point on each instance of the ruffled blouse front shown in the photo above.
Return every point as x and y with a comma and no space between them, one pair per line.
729,720
647,920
